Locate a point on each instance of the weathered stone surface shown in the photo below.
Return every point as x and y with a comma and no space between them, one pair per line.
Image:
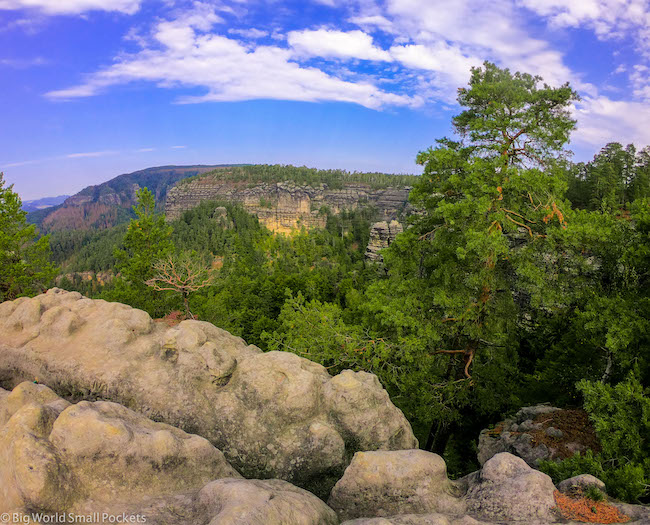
233,502
57,459
284,206
382,234
255,502
522,436
417,519
508,489
583,481
397,482
273,415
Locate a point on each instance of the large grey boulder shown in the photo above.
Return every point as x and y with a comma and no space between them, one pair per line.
91,459
274,415
56,458
235,502
386,483
507,489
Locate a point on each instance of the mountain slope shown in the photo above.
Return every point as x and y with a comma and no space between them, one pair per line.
109,203
45,202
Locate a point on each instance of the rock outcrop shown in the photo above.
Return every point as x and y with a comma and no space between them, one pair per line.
95,459
507,489
382,234
273,415
57,457
388,483
539,433
285,206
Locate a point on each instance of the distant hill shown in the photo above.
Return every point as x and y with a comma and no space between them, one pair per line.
109,203
45,202
286,198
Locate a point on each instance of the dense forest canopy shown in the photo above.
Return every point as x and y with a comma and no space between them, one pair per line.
334,179
521,278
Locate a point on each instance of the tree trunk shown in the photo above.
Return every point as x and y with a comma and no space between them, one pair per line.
439,435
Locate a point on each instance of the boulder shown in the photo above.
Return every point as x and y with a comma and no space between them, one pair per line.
386,483
274,415
534,435
507,489
270,502
93,455
583,481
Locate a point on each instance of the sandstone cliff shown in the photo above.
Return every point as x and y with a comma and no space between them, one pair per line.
284,206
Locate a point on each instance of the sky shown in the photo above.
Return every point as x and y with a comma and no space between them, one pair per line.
90,89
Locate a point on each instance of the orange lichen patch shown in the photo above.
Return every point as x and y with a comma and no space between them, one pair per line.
587,510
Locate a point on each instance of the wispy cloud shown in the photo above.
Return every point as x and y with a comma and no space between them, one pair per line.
179,147
145,150
90,154
25,63
401,53
22,163
185,53
72,7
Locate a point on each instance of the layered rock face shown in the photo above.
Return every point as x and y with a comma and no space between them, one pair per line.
273,415
285,206
382,234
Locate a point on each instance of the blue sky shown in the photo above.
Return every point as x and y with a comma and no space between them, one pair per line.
90,89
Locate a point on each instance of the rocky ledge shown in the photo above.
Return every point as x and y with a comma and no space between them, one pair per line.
285,206
273,415
96,459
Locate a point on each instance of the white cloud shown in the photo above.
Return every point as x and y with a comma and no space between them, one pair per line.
373,21
328,43
72,7
602,120
607,18
90,154
184,54
640,79
252,33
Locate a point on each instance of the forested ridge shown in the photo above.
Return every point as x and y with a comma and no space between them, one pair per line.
522,278
301,175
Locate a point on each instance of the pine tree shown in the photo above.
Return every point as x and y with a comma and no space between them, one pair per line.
25,267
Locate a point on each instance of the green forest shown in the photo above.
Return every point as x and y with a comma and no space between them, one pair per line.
522,277
301,175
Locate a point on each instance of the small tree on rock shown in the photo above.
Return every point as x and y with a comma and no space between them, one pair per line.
182,274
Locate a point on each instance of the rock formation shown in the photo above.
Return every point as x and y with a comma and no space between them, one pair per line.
273,415
534,434
382,234
285,206
388,483
94,458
